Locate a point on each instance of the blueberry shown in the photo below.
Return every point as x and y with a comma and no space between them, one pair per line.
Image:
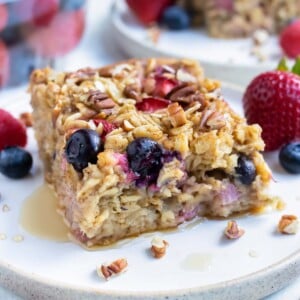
289,157
68,5
245,170
176,18
15,162
145,159
82,148
12,35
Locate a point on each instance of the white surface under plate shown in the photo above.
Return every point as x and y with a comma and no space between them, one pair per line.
229,60
259,263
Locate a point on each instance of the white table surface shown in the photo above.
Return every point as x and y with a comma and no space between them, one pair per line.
98,48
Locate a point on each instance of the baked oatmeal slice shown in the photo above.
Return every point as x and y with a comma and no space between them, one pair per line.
144,145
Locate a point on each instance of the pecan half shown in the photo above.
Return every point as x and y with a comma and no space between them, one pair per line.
158,247
288,224
233,231
99,100
114,268
82,75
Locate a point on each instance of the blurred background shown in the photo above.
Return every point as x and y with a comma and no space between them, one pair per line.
234,40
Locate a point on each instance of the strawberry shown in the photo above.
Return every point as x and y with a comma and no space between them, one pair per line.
12,131
107,126
148,11
60,36
152,104
4,64
273,101
44,11
164,86
3,16
290,39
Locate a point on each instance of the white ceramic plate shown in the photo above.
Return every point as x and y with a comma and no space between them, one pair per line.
254,266
229,60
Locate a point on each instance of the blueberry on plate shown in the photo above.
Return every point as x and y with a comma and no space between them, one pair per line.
175,18
145,159
68,5
15,162
245,170
289,157
82,148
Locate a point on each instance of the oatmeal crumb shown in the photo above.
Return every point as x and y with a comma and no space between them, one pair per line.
114,268
3,236
5,208
158,247
232,231
253,253
18,238
153,34
288,224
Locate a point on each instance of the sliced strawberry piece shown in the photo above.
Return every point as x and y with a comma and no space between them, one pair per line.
12,131
44,11
4,64
107,126
164,85
152,104
273,101
148,11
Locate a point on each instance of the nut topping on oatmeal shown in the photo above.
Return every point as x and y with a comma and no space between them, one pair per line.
233,231
99,100
176,114
158,247
114,268
26,118
288,224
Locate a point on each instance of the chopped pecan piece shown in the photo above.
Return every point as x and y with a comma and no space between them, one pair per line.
82,75
177,115
185,93
26,118
158,247
288,224
132,91
212,119
116,267
99,100
233,231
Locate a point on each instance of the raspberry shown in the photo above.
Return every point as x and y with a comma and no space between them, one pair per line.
60,36
151,104
3,16
12,131
289,39
4,64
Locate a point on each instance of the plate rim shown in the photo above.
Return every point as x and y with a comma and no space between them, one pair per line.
282,272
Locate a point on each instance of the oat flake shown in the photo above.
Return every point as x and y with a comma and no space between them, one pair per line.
18,238
3,236
253,253
5,208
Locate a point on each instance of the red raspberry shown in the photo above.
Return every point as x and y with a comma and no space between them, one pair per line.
60,36
152,104
273,101
107,126
4,64
3,16
44,11
290,39
12,131
148,11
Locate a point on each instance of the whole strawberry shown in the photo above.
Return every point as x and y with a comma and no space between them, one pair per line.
148,11
273,101
290,39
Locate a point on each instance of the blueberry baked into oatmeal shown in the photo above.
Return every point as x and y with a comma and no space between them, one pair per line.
144,145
